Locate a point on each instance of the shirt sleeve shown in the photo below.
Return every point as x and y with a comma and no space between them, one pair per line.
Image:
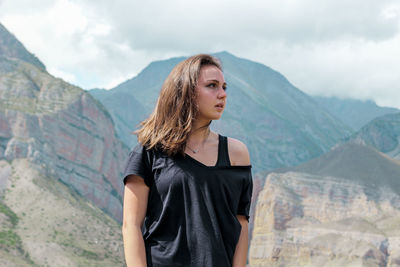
245,197
138,163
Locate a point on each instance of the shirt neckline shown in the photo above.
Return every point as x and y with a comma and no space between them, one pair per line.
218,159
218,155
217,167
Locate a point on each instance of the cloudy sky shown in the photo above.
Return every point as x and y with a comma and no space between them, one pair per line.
333,48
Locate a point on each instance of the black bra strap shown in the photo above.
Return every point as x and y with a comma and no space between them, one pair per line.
223,154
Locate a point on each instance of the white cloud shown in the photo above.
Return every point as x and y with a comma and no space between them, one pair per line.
358,69
176,24
336,47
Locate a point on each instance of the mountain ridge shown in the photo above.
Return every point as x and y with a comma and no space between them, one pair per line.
354,113
260,102
356,161
382,133
60,168
62,126
11,47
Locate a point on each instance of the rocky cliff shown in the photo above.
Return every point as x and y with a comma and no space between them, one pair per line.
60,169
56,124
63,128
342,208
309,220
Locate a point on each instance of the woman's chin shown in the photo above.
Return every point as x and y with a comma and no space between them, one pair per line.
216,117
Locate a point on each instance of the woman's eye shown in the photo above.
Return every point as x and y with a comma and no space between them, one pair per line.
215,85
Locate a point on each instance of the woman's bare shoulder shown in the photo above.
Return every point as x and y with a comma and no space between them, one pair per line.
238,152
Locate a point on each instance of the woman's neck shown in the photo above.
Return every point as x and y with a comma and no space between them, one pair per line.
199,133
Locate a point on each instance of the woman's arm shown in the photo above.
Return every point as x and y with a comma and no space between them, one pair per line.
239,155
240,256
134,211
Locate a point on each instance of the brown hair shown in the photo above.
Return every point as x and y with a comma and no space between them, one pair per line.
171,122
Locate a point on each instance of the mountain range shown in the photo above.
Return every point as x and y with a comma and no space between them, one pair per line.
334,200
354,165
60,169
382,133
353,112
281,125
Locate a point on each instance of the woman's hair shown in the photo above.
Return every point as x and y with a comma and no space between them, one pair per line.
171,122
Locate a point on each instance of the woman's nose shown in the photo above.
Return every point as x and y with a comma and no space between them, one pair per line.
221,92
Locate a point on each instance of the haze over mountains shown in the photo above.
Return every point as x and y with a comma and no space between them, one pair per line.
61,158
281,125
383,133
354,113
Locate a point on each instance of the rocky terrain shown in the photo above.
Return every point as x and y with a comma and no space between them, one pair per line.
60,169
308,220
43,222
61,160
53,123
304,219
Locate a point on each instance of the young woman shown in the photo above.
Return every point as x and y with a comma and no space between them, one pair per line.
187,189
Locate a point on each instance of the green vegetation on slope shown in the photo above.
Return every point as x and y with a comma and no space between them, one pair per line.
9,213
10,241
56,224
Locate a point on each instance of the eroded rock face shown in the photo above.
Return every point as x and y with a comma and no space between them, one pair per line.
58,125
45,223
309,220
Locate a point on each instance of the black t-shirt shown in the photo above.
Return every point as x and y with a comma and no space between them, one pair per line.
191,212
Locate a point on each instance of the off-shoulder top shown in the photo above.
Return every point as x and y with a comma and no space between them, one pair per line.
191,212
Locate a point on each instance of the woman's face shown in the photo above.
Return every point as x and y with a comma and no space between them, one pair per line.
211,95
